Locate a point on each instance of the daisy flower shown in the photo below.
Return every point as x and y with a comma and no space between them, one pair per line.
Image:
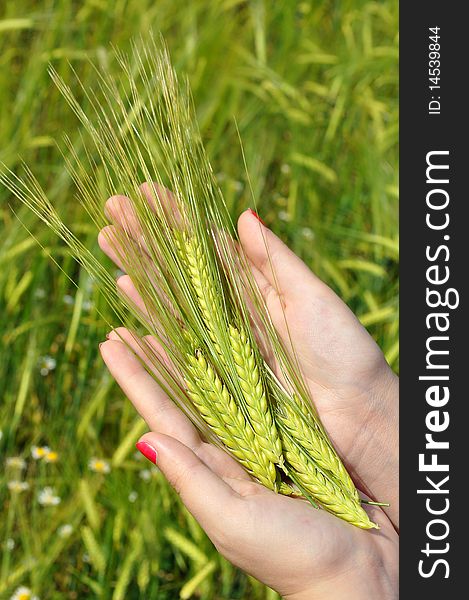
23,593
65,531
47,497
17,486
39,293
15,462
88,305
283,215
51,456
133,496
46,364
307,233
10,544
145,474
99,465
38,452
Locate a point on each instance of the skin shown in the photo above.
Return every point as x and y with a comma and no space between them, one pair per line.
301,552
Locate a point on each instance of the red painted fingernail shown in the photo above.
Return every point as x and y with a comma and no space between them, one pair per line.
253,212
147,450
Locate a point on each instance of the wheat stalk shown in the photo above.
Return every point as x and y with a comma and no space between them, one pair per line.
255,401
258,410
310,437
329,494
225,418
204,286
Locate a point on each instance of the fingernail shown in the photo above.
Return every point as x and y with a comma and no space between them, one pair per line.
100,344
253,212
147,450
108,336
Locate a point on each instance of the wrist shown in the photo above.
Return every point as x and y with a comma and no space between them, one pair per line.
352,585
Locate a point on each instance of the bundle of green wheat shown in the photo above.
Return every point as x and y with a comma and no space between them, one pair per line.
199,299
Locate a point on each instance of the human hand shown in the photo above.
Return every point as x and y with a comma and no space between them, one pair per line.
283,541
352,386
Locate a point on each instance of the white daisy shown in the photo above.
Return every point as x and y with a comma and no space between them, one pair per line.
17,486
46,365
51,456
307,233
283,215
47,497
133,496
38,452
23,593
145,474
65,531
15,462
10,544
99,465
88,305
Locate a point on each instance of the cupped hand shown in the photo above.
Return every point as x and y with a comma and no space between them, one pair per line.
352,386
282,541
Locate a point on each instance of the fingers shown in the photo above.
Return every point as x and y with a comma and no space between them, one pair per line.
125,215
121,210
159,411
128,289
162,201
147,348
109,243
204,493
124,283
146,395
120,247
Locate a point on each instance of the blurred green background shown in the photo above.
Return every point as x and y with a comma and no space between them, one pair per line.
313,88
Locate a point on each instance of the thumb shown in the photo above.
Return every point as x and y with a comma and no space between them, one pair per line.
279,266
203,492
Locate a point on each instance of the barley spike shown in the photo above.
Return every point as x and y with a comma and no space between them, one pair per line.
327,493
204,286
306,433
255,398
220,411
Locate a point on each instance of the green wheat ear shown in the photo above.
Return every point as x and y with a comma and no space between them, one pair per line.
329,494
200,275
310,437
249,378
225,418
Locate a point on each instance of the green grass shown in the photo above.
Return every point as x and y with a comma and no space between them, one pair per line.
313,89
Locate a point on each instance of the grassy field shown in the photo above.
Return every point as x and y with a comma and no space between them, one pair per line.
313,88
